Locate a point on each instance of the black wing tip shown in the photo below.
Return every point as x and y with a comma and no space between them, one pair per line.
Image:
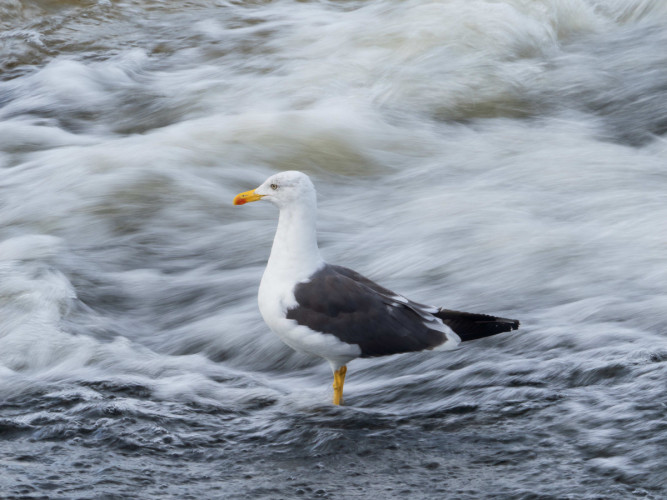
514,324
471,326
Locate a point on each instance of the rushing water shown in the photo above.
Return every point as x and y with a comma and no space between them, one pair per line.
505,157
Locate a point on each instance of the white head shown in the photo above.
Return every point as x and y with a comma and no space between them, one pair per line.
283,189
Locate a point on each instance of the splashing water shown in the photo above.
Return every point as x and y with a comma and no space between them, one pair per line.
499,157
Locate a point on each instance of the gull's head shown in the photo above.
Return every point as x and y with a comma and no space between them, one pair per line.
282,189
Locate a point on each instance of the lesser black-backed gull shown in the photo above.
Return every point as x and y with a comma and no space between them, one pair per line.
334,312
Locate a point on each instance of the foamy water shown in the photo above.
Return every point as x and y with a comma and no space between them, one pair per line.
499,157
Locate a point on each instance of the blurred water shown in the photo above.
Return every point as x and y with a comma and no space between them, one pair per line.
500,157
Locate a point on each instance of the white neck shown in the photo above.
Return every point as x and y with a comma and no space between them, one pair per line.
295,252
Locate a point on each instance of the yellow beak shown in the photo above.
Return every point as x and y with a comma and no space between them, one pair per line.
247,197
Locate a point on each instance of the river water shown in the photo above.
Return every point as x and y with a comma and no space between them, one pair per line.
505,157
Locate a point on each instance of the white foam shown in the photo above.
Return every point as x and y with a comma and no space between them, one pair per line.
457,163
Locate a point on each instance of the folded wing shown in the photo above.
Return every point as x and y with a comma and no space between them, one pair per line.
341,302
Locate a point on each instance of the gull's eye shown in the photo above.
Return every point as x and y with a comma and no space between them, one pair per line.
274,186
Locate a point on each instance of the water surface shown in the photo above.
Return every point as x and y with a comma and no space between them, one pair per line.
500,157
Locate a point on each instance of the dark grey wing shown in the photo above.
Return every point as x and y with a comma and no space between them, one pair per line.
356,310
427,312
354,275
468,326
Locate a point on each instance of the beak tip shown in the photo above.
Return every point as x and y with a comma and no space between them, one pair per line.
247,197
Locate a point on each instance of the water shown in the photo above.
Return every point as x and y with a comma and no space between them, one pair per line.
500,157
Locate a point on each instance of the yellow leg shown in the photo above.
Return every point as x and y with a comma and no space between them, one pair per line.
339,381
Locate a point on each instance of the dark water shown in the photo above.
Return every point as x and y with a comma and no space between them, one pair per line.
500,157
